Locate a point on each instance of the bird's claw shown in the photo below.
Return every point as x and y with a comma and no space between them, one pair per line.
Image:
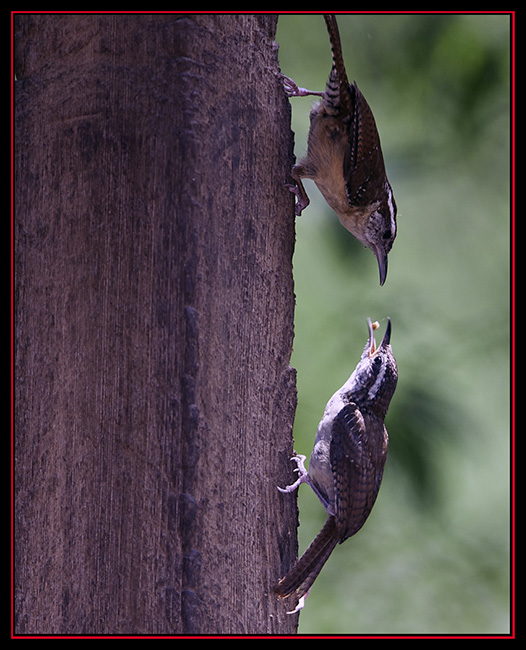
302,201
300,605
293,90
303,475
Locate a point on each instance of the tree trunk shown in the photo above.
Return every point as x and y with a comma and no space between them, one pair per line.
153,325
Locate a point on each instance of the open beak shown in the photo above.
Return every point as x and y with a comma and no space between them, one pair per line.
372,343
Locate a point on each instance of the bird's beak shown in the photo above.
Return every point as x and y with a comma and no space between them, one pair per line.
381,256
387,335
371,346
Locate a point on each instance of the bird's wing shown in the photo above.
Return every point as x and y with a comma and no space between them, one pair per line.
357,469
363,160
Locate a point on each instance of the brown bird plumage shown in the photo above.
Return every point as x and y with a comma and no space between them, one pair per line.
344,158
347,463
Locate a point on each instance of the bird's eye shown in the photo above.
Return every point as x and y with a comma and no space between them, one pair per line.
386,234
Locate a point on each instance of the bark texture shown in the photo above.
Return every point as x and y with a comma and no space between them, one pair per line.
153,325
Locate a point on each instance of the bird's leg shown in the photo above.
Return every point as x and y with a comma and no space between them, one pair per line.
297,188
303,475
293,90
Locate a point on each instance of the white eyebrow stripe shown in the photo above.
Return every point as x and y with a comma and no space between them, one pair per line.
391,208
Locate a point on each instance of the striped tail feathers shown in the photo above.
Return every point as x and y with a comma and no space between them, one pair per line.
303,574
338,92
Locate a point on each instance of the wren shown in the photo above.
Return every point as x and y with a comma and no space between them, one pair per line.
344,158
347,462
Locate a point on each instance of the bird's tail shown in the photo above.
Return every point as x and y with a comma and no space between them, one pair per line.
338,92
303,574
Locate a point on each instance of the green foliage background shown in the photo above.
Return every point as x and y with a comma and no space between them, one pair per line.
433,558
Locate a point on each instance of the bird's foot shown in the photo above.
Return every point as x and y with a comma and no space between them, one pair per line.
293,90
303,475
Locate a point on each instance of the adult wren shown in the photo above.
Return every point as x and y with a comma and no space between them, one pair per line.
344,158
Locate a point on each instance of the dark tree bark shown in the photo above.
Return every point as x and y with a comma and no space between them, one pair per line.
153,325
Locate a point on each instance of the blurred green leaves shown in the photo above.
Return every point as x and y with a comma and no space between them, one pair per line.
434,555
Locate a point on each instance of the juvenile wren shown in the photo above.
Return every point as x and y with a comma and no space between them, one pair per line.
347,462
345,160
